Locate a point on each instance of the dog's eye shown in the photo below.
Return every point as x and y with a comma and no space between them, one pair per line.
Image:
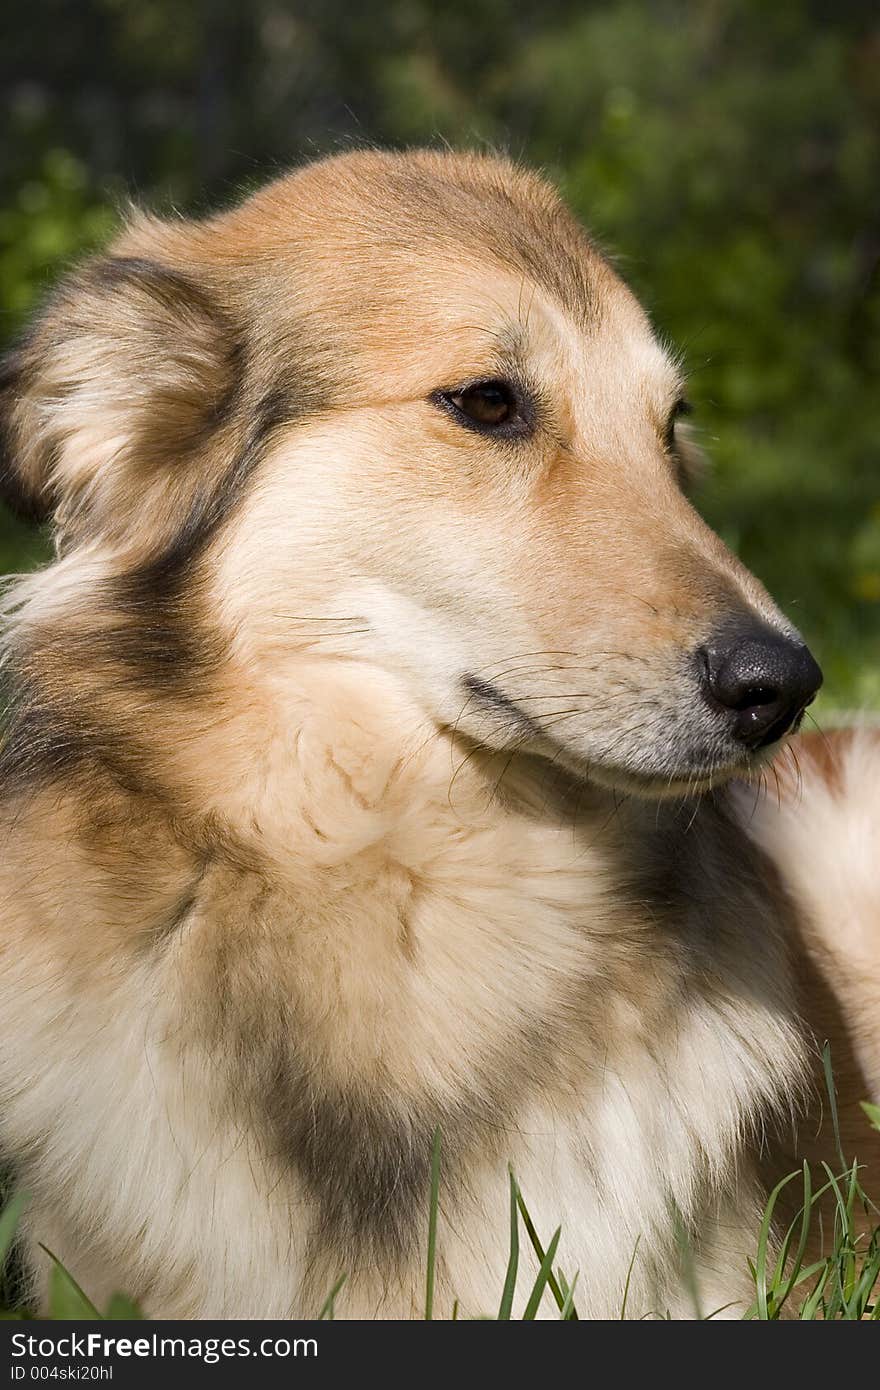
488,405
681,407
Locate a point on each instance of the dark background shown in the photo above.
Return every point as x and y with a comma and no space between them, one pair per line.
725,150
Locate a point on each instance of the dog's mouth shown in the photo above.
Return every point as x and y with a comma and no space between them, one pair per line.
699,717
685,770
489,696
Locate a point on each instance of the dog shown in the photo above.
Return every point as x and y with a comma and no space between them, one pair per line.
382,770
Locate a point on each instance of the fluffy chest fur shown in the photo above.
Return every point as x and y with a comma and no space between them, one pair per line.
223,1072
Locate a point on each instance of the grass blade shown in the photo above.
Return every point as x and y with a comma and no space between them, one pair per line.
67,1301
504,1310
568,1312
9,1219
832,1101
763,1298
544,1274
121,1308
811,1305
859,1303
432,1225
806,1221
628,1278
558,1288
688,1265
327,1311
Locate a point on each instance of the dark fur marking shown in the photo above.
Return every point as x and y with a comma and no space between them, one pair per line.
36,745
176,918
366,1155
41,744
478,210
164,283
156,639
367,1165
209,509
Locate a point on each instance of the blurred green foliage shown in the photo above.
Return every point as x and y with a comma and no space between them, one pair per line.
727,151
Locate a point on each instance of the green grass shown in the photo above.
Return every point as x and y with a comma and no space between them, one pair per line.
844,1284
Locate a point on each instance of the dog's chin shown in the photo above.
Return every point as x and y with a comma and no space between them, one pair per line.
659,787
690,778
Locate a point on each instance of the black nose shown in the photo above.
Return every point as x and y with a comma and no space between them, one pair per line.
765,679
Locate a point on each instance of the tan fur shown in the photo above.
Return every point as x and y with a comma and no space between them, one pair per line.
826,795
283,892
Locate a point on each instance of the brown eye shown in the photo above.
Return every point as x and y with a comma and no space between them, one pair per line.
485,405
488,403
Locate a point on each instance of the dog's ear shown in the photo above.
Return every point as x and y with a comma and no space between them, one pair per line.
109,404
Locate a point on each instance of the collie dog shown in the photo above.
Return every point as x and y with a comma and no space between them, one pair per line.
383,757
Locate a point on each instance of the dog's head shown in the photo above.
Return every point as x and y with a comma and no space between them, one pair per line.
400,410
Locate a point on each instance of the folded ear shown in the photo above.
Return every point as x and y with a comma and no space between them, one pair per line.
111,406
